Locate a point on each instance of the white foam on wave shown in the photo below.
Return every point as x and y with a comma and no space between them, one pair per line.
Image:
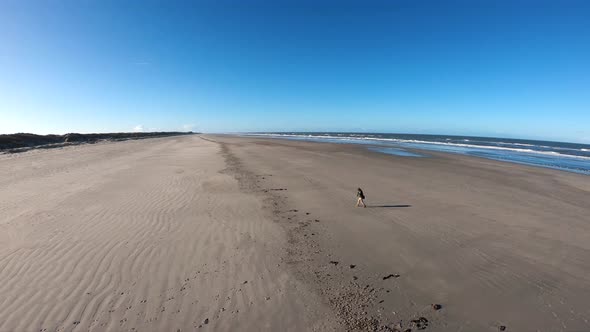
520,144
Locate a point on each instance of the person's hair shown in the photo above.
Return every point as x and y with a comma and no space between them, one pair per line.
360,189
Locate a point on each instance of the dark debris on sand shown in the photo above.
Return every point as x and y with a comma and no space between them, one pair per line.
391,276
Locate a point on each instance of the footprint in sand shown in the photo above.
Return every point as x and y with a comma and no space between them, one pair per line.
420,323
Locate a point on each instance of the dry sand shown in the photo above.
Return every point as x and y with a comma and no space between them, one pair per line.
148,235
230,233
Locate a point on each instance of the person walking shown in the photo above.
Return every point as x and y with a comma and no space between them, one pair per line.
360,198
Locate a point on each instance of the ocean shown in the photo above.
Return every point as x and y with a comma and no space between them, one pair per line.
570,157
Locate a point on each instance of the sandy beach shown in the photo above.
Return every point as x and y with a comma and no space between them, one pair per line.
148,235
226,233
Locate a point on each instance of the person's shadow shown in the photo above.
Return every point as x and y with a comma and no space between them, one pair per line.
389,206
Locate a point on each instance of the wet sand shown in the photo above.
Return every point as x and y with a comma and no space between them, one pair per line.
495,244
223,233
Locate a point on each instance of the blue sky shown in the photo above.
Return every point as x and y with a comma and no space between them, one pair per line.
492,68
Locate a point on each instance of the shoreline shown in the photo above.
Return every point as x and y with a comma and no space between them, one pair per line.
576,160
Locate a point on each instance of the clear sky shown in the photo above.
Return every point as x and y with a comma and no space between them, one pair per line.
492,68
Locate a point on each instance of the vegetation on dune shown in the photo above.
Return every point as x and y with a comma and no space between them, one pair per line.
24,140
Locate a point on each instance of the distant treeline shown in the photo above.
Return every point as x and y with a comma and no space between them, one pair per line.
22,141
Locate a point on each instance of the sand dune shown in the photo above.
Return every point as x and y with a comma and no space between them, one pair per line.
139,236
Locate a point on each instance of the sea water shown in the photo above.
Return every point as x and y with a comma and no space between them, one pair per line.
571,157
